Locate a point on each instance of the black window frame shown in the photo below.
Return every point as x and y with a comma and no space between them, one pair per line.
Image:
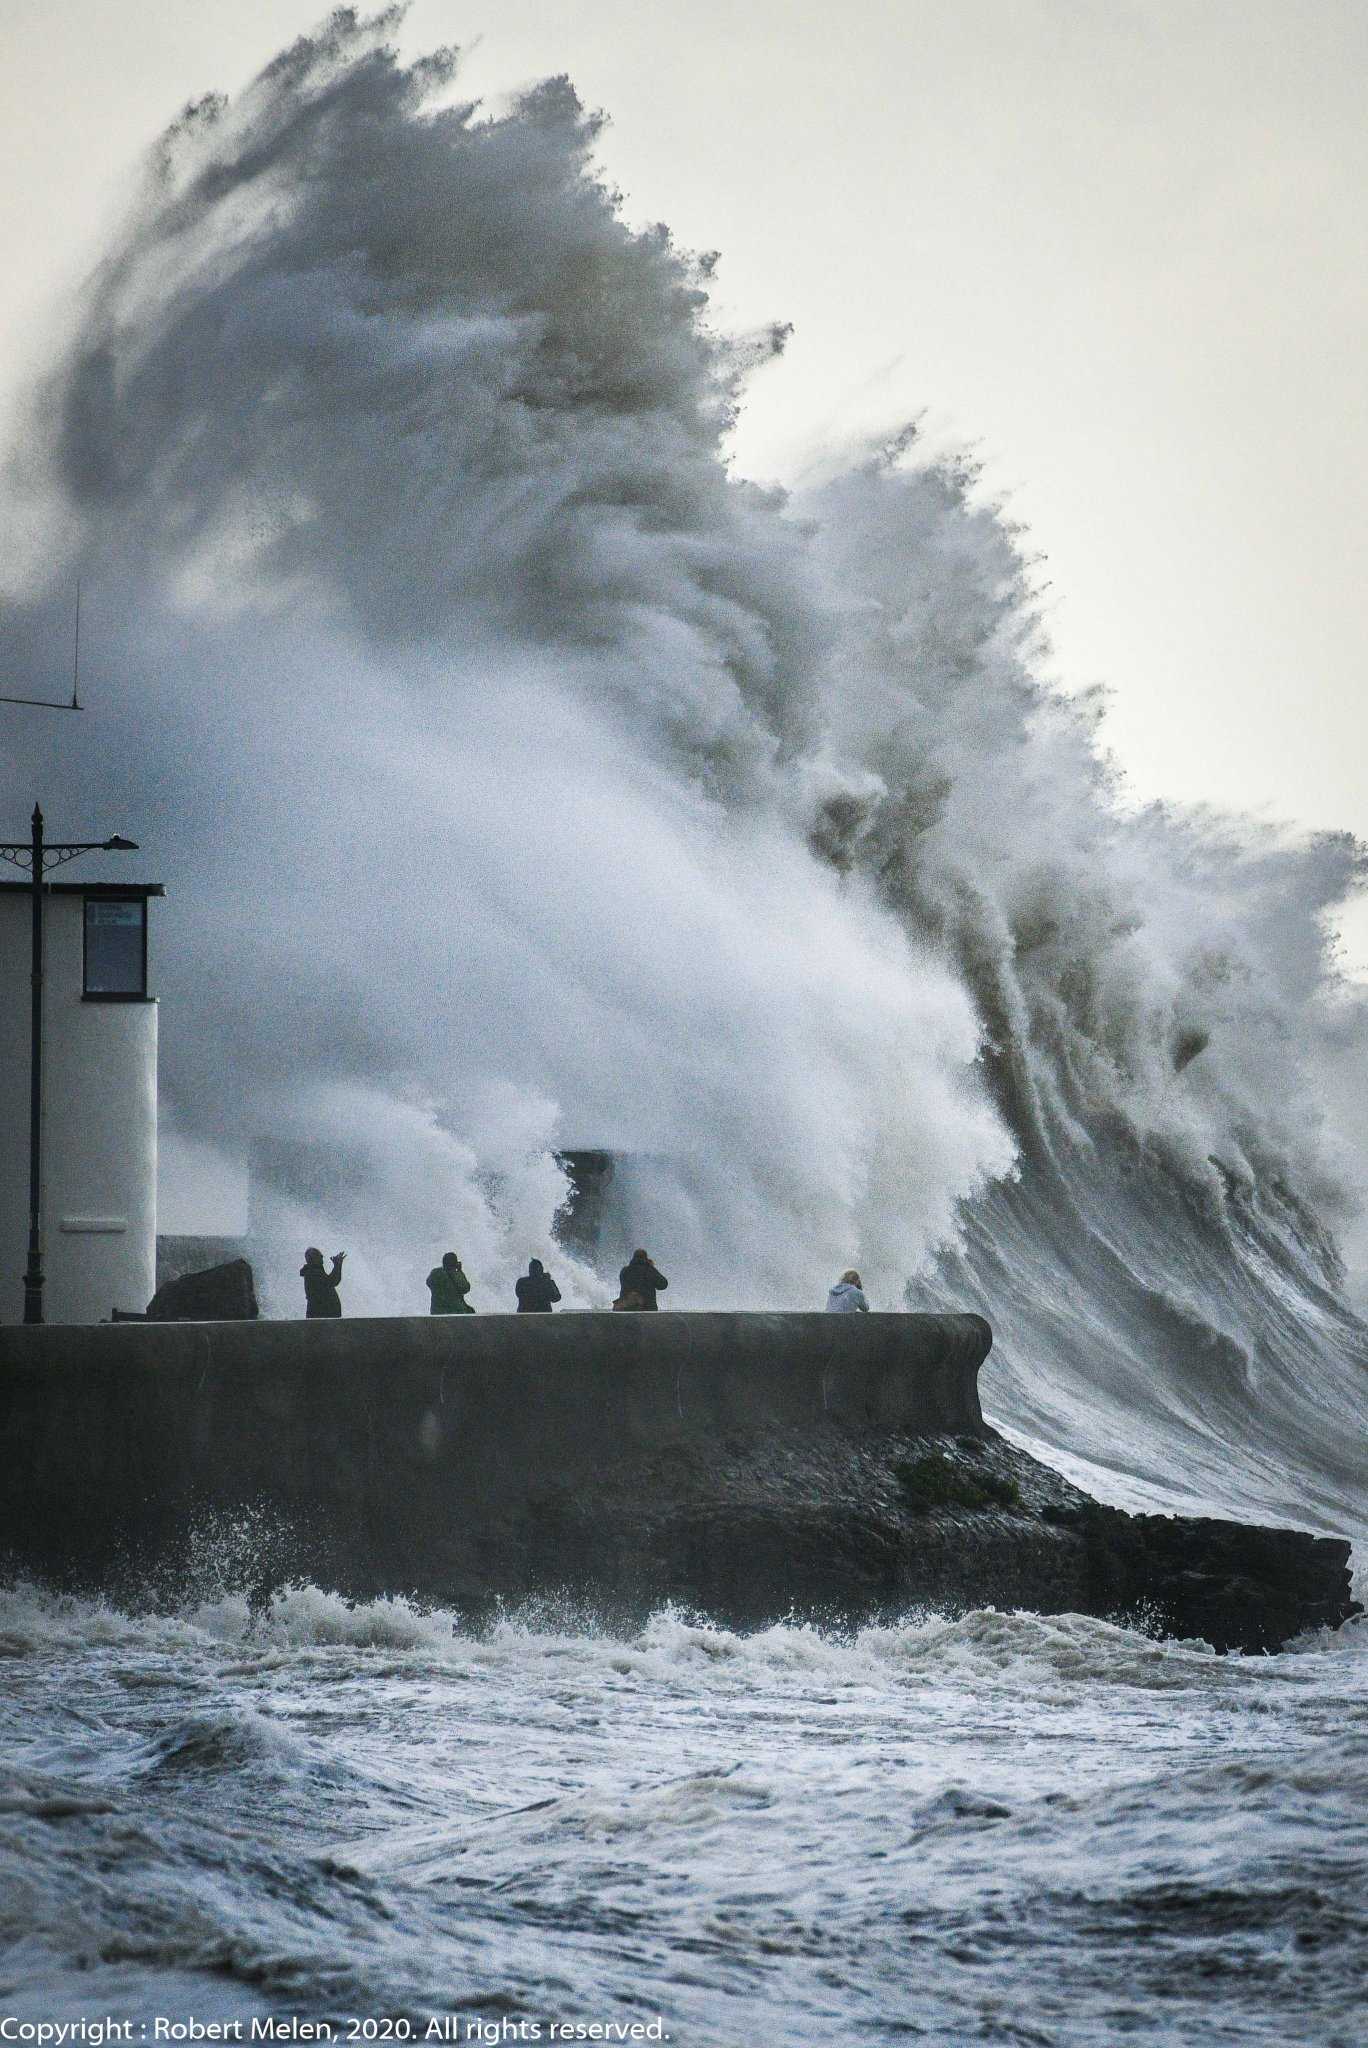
103,995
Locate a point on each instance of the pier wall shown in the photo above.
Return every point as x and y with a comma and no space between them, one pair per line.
429,1451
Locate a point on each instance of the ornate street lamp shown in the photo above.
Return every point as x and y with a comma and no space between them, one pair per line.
37,855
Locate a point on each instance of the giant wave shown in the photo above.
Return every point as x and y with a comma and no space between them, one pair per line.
524,777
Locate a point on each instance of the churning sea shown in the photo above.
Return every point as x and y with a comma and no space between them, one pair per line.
742,832
999,1828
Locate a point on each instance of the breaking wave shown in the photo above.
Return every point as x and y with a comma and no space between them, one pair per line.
525,778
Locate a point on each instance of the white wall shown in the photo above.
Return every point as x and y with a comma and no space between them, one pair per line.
99,1128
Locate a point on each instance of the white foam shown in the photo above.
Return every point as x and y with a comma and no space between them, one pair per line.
608,798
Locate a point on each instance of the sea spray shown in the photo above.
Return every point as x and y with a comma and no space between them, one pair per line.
426,593
525,779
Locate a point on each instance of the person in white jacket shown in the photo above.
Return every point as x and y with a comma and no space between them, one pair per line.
847,1296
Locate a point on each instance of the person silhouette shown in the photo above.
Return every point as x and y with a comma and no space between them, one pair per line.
449,1288
536,1290
321,1297
640,1282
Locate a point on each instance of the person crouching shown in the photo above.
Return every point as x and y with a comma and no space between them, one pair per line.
846,1298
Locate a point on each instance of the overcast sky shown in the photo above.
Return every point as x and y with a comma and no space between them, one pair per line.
1118,247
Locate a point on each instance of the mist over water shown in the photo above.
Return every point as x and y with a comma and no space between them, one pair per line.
524,778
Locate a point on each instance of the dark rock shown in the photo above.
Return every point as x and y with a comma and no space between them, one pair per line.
221,1294
935,1481
1237,1585
178,1253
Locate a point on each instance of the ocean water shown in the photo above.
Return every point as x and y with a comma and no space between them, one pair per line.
524,779
1000,1827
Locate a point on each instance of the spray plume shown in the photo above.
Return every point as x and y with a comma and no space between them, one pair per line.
532,781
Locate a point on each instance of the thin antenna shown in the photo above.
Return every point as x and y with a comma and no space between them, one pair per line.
76,656
53,703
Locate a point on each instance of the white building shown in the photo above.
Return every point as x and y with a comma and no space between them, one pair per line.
99,1128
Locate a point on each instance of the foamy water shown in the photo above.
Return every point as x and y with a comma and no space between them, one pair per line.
739,834
1000,1827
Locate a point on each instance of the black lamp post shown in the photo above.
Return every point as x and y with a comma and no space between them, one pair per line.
37,855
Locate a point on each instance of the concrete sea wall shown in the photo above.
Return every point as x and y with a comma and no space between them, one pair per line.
412,1441
749,1465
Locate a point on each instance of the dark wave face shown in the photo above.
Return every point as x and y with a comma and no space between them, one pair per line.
1187,1358
525,779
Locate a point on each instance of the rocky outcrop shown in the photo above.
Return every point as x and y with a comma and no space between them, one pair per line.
220,1294
1236,1586
862,1524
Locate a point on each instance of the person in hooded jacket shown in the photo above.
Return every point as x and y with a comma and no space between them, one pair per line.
448,1286
321,1297
640,1282
537,1292
846,1298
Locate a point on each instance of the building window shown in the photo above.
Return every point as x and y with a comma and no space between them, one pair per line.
116,947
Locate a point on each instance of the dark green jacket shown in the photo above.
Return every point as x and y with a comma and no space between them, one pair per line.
449,1291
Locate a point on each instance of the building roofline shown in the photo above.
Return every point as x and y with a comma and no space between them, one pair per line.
143,889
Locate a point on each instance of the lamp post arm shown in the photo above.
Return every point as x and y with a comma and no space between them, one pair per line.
56,852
